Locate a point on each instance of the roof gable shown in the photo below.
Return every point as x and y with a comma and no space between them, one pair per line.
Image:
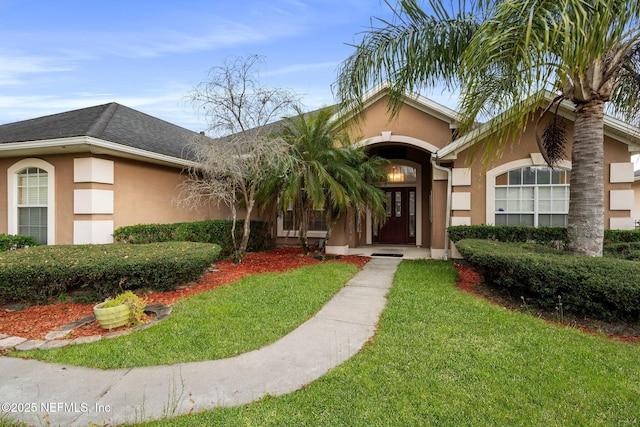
614,128
414,100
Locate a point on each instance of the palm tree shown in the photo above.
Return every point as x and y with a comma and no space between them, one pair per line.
499,53
328,173
358,174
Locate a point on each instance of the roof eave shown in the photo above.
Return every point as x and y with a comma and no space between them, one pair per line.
83,144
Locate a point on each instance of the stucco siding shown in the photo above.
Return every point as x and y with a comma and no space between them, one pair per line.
523,151
409,122
142,193
146,193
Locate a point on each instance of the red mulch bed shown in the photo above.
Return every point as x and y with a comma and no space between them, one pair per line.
470,281
35,322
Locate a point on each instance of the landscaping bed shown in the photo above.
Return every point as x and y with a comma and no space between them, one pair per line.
99,271
598,288
36,321
471,282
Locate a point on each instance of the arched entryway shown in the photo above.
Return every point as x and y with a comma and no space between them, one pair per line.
404,205
408,190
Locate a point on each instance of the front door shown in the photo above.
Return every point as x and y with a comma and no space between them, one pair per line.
400,226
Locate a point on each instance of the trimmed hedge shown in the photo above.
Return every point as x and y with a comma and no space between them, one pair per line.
9,242
601,288
210,231
619,236
146,233
35,274
629,251
548,236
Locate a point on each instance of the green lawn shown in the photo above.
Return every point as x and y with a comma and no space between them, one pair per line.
224,322
444,357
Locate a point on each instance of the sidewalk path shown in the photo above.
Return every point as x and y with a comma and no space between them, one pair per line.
39,393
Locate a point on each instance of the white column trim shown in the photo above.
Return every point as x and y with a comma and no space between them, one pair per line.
621,200
93,201
92,232
93,169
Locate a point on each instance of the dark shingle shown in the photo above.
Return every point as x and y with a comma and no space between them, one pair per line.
62,125
110,122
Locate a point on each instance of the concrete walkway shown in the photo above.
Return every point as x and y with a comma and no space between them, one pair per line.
39,393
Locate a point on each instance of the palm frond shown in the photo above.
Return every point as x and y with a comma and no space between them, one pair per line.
414,52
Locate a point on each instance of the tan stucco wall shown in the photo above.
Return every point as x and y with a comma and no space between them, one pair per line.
439,214
143,193
408,122
635,213
615,152
148,193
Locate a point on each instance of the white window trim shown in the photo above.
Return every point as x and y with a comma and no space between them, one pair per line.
491,182
12,195
295,233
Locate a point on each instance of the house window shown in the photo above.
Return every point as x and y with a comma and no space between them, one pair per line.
317,221
31,199
532,196
32,192
400,174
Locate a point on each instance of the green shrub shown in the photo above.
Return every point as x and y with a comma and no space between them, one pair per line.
10,242
629,251
601,288
146,233
619,236
35,274
210,231
548,236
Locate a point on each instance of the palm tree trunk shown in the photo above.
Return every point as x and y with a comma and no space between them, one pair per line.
331,223
586,199
304,228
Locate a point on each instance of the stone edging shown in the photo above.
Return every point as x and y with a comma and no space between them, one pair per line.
51,340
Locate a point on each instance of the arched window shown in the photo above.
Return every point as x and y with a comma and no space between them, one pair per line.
31,199
533,196
32,204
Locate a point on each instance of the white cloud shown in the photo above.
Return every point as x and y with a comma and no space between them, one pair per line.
146,45
15,68
204,34
164,103
297,68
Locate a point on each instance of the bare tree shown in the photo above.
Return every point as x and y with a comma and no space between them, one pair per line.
231,168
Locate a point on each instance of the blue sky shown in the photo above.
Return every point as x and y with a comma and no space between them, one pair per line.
62,55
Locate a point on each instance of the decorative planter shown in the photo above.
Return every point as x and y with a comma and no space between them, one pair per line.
112,317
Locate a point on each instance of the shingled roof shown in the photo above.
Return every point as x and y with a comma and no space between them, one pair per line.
111,122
